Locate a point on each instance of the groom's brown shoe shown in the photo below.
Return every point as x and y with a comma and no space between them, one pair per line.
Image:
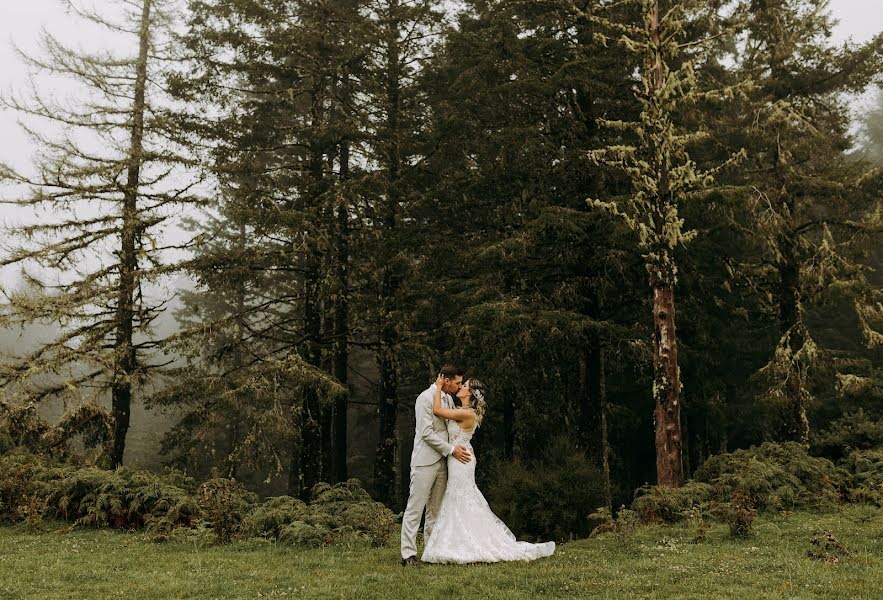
411,561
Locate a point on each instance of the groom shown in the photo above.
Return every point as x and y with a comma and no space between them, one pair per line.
429,467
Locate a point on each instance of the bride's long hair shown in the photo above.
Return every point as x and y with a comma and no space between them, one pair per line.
476,390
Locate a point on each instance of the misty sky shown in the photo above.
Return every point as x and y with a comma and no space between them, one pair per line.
23,20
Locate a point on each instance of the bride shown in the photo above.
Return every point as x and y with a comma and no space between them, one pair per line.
466,530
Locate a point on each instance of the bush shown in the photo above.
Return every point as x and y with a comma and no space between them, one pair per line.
655,503
739,514
303,534
773,476
372,520
171,507
826,547
337,512
123,499
622,526
354,510
15,486
548,500
855,431
268,519
224,502
6,442
862,472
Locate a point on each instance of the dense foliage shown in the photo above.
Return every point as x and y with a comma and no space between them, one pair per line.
770,477
171,505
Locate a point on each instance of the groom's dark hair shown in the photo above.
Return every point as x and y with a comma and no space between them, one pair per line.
450,371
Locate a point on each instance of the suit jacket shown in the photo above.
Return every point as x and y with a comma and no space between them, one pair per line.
431,433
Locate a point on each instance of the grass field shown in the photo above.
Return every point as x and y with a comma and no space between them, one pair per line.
653,562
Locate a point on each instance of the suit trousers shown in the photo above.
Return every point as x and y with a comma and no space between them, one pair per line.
427,489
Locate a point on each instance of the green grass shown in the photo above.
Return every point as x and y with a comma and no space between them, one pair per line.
655,562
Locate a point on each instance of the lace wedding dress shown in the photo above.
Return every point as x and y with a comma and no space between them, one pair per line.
466,530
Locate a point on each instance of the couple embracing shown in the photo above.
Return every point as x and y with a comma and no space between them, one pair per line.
460,526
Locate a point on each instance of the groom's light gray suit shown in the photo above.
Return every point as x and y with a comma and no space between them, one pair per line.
429,470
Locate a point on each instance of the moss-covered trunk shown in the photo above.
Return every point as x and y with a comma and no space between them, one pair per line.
125,360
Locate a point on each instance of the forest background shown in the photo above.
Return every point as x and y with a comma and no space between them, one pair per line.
261,231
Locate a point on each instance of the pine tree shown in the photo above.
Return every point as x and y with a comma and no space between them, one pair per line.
662,175
110,184
533,290
238,395
273,88
402,34
815,210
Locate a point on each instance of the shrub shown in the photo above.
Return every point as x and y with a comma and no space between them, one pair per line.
668,505
739,514
6,442
862,472
224,503
15,485
198,533
337,512
698,523
299,533
123,498
272,516
548,499
622,526
354,511
855,431
171,507
774,476
371,519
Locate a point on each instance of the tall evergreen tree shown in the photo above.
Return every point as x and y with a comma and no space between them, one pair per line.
662,175
402,35
274,88
110,184
533,290
814,212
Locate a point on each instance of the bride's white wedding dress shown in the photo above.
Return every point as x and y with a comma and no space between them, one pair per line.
466,530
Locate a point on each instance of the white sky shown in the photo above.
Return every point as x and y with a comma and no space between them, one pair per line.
21,22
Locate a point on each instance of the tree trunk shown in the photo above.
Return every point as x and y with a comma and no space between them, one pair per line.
310,450
591,408
341,326
666,376
723,422
796,424
666,389
593,421
387,448
311,435
124,351
236,433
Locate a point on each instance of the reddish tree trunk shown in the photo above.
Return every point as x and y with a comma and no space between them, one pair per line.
666,389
